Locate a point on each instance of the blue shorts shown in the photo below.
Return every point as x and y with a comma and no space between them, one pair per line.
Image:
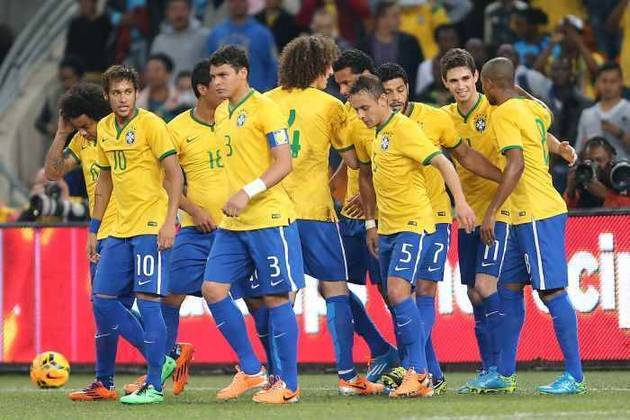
437,243
477,257
358,257
323,251
536,254
189,257
273,254
132,264
400,255
93,265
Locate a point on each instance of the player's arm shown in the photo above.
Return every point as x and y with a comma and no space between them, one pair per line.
368,197
465,214
102,194
202,220
174,186
349,157
562,149
475,162
59,163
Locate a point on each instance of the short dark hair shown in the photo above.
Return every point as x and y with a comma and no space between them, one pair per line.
120,72
200,76
357,60
382,7
368,83
599,141
391,71
608,66
84,98
74,63
166,61
533,15
304,59
456,57
443,28
232,55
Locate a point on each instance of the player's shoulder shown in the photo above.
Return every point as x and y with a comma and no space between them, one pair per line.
402,125
149,118
105,122
430,111
277,92
182,119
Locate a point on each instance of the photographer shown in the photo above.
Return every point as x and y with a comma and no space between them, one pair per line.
598,180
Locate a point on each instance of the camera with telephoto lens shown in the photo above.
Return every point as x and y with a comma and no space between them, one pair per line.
585,172
51,204
620,176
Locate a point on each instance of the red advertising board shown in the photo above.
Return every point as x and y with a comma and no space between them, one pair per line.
44,303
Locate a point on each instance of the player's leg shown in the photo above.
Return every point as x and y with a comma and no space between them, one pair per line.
402,254
430,272
229,262
257,309
544,244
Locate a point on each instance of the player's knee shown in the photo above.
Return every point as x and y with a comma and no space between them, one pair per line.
426,288
474,296
214,292
333,288
173,300
515,287
148,296
486,285
398,290
547,295
253,304
273,301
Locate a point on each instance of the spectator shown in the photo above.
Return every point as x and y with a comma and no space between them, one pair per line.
457,10
531,80
388,45
183,98
588,182
70,72
478,50
610,117
529,42
429,81
131,22
182,37
619,19
421,18
348,14
497,19
598,12
281,23
568,41
87,38
158,91
324,23
256,39
557,10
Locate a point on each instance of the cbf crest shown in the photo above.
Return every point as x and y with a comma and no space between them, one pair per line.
241,119
130,137
385,142
481,123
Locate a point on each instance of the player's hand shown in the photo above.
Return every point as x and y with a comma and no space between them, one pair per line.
166,236
486,231
203,221
354,208
465,216
372,241
63,126
567,152
92,255
236,204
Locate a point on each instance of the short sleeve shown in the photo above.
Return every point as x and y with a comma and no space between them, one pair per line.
362,153
74,148
176,137
101,157
159,138
273,124
449,137
417,146
506,131
338,118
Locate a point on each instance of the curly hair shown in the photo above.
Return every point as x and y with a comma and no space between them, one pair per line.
120,72
84,98
306,58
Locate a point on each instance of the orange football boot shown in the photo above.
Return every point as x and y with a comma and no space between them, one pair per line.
242,383
96,391
277,394
413,385
135,385
360,386
180,377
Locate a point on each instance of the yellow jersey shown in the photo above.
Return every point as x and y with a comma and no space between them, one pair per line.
202,157
398,149
133,153
84,151
522,123
624,57
355,132
421,21
315,121
245,129
474,129
439,128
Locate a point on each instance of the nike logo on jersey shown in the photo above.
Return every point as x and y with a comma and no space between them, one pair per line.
191,139
276,283
402,325
142,283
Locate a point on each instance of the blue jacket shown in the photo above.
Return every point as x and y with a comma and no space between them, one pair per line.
259,44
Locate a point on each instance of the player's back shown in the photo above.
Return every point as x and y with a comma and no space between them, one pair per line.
247,129
133,154
315,121
201,155
523,123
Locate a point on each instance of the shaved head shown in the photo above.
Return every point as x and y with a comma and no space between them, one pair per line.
500,71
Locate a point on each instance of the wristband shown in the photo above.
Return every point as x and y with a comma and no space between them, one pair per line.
255,187
370,224
95,224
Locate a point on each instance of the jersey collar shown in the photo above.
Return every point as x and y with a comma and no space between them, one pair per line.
409,110
380,127
471,110
121,129
197,120
241,102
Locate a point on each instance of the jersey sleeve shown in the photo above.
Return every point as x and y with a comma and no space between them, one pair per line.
449,137
74,148
362,154
159,139
338,118
417,146
273,124
506,131
176,137
101,158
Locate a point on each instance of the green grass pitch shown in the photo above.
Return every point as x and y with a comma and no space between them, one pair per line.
608,397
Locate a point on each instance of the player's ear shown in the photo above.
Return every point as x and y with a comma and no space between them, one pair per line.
476,76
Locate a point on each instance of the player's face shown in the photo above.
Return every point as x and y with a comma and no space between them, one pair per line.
85,125
227,80
122,97
372,111
209,95
460,81
345,79
397,92
322,81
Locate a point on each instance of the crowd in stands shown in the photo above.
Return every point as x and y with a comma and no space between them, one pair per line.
573,54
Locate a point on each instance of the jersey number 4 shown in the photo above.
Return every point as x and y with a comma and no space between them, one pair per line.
295,135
